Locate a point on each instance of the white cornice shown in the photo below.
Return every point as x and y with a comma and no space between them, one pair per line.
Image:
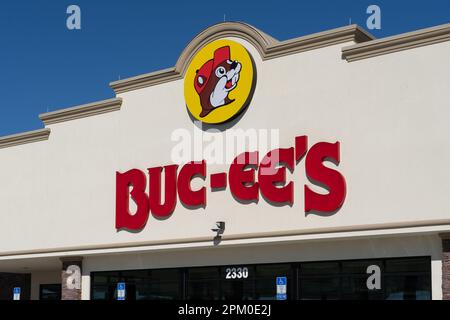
267,47
396,43
81,111
24,137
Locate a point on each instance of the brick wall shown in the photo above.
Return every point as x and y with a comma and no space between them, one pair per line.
446,268
71,279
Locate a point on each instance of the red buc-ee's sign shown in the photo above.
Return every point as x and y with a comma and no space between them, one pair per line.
248,177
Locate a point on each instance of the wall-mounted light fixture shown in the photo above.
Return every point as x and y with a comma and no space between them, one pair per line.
219,228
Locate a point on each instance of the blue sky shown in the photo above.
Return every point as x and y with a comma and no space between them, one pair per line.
44,66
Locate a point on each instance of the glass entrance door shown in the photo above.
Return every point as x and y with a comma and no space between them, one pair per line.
221,283
237,282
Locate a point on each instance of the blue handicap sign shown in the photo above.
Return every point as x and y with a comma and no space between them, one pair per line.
281,281
16,293
121,291
281,284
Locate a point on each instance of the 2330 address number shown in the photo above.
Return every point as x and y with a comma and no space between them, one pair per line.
236,273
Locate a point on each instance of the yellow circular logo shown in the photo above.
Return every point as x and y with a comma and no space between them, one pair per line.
219,82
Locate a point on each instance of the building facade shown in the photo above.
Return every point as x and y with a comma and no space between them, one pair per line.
311,168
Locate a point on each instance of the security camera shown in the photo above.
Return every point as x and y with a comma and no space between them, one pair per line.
219,228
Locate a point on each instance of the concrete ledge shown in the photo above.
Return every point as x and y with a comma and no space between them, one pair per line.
397,43
24,137
81,111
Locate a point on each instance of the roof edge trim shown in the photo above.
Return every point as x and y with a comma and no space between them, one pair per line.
267,46
404,41
24,137
81,111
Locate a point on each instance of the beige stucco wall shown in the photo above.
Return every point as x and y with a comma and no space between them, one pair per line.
389,113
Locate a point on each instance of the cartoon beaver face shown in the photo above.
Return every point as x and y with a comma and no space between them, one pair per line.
215,79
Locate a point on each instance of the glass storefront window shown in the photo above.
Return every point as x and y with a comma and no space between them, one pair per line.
399,278
360,266
265,278
159,290
407,265
50,292
203,283
100,293
319,268
237,290
319,288
408,287
162,284
354,287
203,290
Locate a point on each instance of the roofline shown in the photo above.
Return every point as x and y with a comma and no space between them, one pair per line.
24,137
81,111
267,46
404,41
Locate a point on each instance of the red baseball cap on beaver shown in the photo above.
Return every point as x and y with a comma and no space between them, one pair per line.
203,74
